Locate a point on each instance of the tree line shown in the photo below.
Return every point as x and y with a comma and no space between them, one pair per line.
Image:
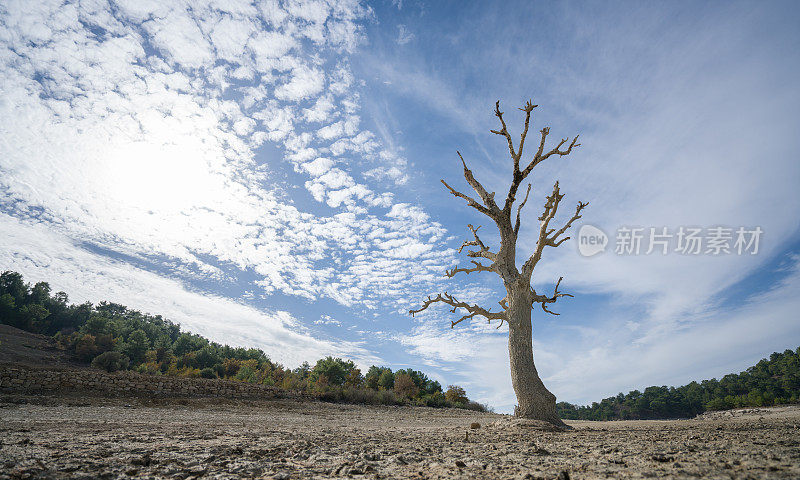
113,337
772,381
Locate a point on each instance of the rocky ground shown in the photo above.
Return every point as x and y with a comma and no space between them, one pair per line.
57,437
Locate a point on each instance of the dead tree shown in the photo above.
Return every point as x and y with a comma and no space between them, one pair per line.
534,400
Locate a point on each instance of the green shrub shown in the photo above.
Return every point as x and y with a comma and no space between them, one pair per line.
471,405
434,400
208,372
85,347
718,404
359,396
246,374
111,361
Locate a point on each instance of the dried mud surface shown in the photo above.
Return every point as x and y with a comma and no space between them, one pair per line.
59,437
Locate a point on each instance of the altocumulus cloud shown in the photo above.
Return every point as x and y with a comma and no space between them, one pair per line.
133,127
143,120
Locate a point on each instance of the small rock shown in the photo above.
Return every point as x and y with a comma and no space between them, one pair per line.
460,464
144,460
564,475
660,457
474,425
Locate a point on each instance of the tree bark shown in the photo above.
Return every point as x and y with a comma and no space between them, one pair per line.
534,400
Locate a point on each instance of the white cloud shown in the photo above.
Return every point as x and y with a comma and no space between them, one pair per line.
329,132
323,109
403,35
388,173
305,82
229,37
318,167
327,320
179,38
268,47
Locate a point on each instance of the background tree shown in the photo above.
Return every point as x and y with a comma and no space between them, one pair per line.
373,376
534,400
455,394
405,386
335,370
386,380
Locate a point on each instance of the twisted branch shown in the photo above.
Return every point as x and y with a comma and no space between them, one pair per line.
539,158
519,209
485,203
504,131
543,300
488,198
547,237
470,201
484,251
479,267
488,207
577,215
453,302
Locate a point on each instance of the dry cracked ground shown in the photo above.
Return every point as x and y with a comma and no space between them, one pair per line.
57,437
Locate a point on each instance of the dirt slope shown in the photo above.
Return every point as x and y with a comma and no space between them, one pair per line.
25,348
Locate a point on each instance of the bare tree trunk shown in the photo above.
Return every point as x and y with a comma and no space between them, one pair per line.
534,400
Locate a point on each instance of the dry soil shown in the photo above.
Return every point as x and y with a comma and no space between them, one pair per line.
58,437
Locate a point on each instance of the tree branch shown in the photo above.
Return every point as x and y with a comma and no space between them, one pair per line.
470,201
504,131
544,300
472,310
488,207
519,209
577,215
488,198
539,158
528,108
547,237
550,209
479,267
484,250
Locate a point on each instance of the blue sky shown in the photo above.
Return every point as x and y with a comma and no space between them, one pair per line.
268,174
